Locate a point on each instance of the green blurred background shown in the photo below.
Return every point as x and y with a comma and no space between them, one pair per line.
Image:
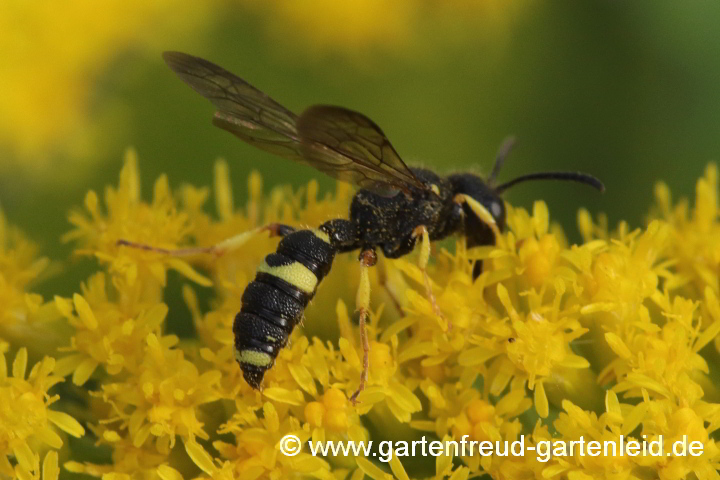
627,91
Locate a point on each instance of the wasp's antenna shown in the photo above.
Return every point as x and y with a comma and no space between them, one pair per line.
502,153
578,177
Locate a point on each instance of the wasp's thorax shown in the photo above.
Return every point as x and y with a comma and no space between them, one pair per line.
389,222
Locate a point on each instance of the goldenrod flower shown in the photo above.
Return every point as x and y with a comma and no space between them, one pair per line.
25,318
255,450
28,426
694,235
107,330
159,224
606,340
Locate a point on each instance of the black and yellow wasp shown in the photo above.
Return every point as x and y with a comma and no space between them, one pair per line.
395,208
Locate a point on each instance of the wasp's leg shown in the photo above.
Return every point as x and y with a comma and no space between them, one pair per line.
425,250
220,248
368,258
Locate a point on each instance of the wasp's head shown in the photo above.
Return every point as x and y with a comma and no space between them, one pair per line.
476,231
487,193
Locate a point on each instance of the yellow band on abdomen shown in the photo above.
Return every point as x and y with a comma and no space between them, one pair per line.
321,235
295,274
253,357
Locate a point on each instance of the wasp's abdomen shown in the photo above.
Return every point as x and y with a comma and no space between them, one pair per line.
274,302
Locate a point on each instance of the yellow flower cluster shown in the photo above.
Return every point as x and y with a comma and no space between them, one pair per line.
22,314
29,429
616,337
28,426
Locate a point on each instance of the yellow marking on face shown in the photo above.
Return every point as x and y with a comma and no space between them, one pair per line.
477,208
270,339
321,235
296,274
253,357
435,189
482,213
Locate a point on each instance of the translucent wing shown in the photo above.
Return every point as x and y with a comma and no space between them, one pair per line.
243,110
349,146
339,142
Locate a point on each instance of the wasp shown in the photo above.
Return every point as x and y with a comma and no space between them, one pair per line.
395,209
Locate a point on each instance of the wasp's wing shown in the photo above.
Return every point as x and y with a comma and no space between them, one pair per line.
243,110
349,146
343,144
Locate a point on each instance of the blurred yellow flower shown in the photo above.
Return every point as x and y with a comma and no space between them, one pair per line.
349,27
361,29
601,341
53,53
